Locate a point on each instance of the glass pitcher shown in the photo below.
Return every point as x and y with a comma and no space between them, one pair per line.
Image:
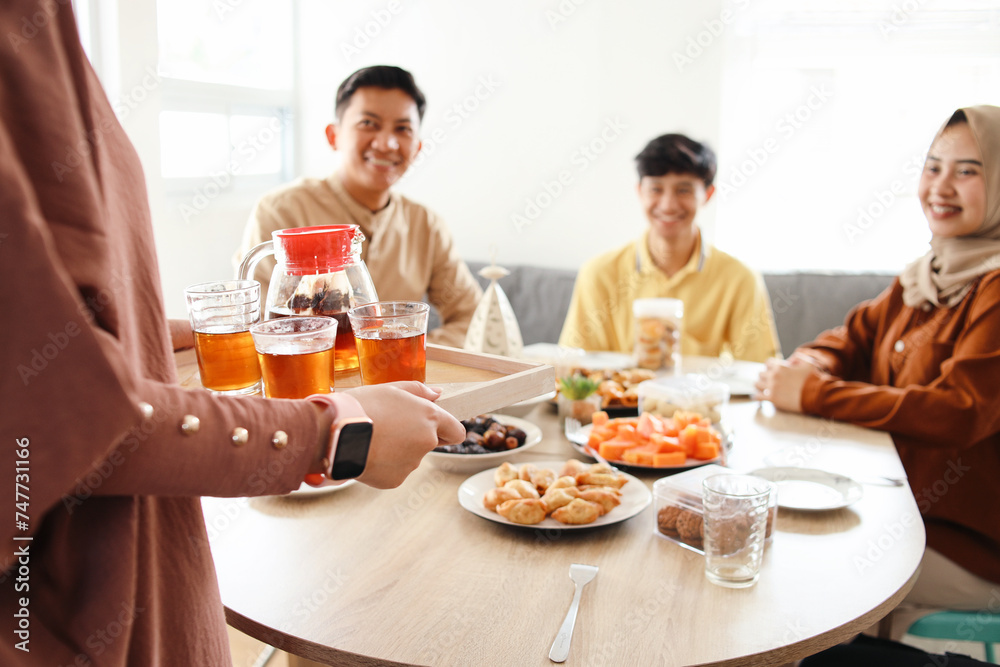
319,271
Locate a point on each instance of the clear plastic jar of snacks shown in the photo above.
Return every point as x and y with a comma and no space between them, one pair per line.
690,393
658,332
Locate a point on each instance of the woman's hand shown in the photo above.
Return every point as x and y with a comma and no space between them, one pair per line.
781,382
407,425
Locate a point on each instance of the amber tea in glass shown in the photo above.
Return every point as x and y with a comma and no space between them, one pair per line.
391,340
296,355
226,361
295,375
221,314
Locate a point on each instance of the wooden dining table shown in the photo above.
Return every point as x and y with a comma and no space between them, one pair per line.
359,576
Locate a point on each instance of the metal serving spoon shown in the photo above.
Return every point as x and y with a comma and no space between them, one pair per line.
581,575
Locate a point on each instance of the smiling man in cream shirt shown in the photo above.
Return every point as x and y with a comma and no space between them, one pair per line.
408,249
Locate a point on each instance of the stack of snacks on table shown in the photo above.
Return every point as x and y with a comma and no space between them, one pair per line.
657,332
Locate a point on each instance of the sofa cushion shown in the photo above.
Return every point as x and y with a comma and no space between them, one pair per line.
807,304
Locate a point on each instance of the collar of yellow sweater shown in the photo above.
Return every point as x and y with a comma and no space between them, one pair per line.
644,264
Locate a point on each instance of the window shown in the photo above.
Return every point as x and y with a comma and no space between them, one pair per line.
228,79
828,110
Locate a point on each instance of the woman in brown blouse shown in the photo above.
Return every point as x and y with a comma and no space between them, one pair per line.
922,362
108,561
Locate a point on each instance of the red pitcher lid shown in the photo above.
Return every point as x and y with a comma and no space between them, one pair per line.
315,250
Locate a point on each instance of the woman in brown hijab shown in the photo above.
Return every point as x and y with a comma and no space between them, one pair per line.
922,361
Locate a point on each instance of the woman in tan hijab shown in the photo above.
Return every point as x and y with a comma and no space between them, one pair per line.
922,361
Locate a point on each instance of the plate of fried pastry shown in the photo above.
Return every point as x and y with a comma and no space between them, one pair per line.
554,495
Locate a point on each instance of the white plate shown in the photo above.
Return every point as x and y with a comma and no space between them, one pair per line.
602,361
561,356
635,498
466,463
306,490
738,375
810,489
579,439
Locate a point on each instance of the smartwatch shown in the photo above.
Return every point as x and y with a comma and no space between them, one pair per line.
350,437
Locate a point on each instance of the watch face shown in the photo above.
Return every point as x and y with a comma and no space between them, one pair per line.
352,450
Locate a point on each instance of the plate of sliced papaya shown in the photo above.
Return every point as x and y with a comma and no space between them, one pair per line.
652,443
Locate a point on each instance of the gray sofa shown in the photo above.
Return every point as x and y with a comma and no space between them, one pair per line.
804,304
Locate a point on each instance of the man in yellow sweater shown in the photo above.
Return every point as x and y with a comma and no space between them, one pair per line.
726,306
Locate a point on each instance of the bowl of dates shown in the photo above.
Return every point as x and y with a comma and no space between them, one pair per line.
489,441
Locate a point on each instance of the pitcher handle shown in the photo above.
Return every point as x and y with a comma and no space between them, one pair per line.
252,258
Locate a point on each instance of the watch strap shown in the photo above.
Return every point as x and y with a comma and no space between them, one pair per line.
347,408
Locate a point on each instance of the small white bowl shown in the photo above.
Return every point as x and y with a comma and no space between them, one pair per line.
469,463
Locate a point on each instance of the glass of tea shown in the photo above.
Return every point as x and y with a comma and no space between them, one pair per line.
221,314
391,340
295,355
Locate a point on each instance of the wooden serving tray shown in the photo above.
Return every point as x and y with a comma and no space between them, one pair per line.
473,383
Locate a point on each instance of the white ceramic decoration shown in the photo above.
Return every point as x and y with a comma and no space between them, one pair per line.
494,328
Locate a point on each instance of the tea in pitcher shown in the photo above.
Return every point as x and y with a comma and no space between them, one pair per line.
318,272
345,356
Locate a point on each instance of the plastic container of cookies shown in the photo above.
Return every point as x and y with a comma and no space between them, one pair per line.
679,512
658,333
691,392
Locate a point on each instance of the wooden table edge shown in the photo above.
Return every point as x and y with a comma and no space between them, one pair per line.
813,645
779,656
303,647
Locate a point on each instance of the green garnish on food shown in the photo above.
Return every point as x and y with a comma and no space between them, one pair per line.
576,387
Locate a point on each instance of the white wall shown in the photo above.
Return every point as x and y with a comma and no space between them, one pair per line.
516,93
558,76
